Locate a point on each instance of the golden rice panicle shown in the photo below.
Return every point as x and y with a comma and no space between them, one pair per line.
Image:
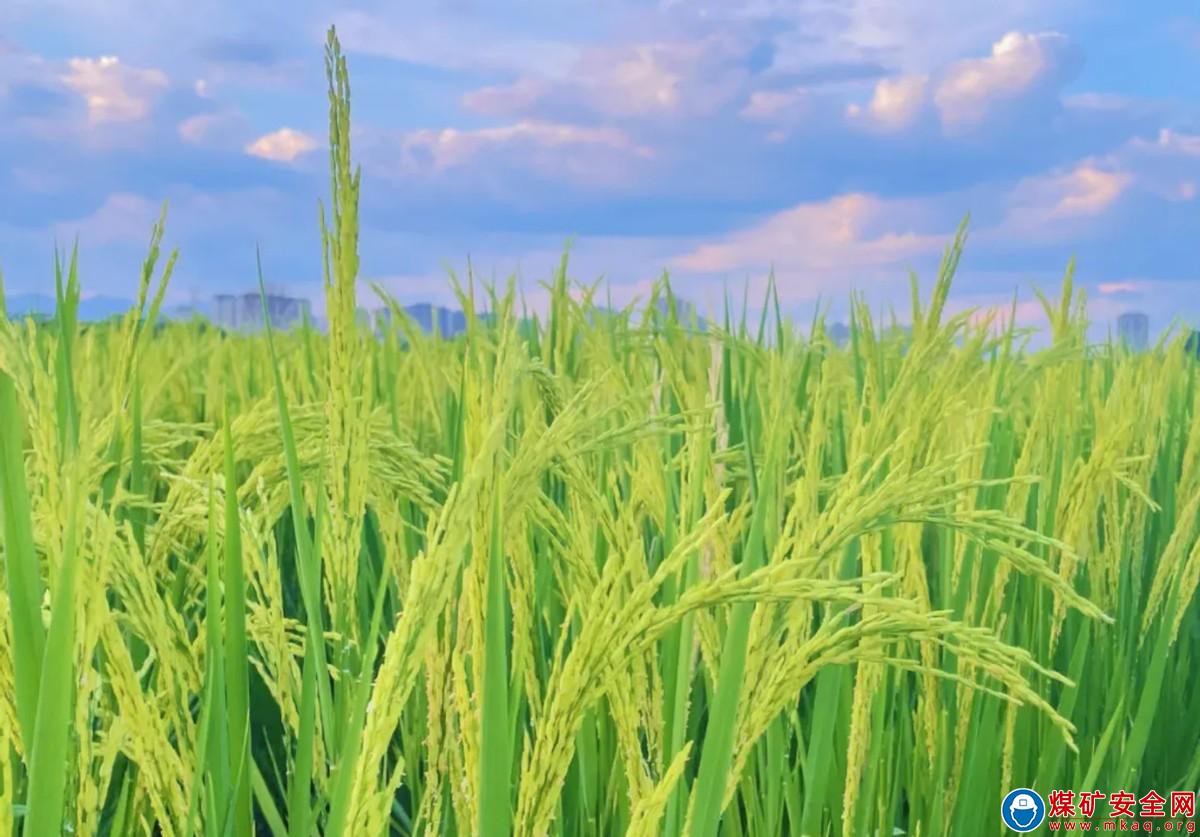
867,679
440,729
7,783
646,817
1175,573
8,707
348,400
433,576
611,621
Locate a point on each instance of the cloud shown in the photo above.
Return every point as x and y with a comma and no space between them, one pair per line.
520,96
1142,176
1020,65
450,148
515,164
999,315
678,79
251,51
452,41
716,138
1062,203
896,103
114,92
282,146
123,218
1167,166
1124,286
218,128
820,245
778,106
195,128
1017,88
1169,141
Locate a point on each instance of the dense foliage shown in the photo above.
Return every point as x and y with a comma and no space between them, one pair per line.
595,572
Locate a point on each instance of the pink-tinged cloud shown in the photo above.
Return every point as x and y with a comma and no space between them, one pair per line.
1001,315
212,128
1125,286
282,146
823,245
1060,201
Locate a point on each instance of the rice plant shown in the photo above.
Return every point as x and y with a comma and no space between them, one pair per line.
597,572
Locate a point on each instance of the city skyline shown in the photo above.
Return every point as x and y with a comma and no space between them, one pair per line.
242,311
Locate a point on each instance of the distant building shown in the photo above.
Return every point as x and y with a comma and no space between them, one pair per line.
450,322
839,333
244,312
1192,346
1133,329
685,312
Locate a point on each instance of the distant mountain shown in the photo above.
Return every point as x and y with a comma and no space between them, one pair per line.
92,308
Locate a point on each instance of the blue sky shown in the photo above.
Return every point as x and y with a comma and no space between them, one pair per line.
838,142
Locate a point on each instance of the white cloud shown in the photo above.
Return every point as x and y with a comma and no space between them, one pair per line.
912,38
282,146
895,104
1171,142
123,218
500,159
450,147
678,78
1019,64
1167,166
453,42
778,105
1101,103
114,92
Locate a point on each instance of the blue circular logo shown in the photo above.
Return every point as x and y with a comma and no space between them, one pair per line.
1022,810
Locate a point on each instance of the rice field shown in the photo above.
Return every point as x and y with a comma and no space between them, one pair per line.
586,572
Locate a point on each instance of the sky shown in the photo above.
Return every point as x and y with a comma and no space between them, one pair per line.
839,144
